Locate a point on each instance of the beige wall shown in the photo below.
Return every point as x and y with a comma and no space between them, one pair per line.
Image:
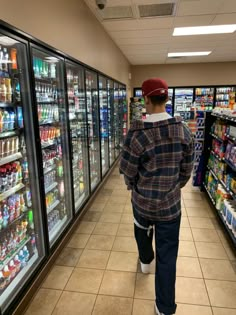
187,74
69,26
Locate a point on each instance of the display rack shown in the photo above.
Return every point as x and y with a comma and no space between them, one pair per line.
221,171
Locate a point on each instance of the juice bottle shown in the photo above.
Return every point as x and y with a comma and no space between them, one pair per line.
12,269
21,203
7,274
8,90
26,253
17,263
6,120
3,91
1,121
13,54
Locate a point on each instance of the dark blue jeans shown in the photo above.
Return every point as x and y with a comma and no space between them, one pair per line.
167,245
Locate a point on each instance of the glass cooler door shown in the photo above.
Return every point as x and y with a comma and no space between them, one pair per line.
116,119
111,121
50,98
103,103
93,128
21,230
78,132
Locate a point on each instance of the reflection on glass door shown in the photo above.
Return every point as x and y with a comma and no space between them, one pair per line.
78,132
93,127
184,103
111,121
49,90
124,112
103,103
21,231
116,119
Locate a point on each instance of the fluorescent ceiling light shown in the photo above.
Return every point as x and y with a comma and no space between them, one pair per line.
189,54
203,30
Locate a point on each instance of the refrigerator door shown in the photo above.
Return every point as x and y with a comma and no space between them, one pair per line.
123,114
183,104
204,98
104,132
93,128
21,230
50,100
78,132
116,119
169,104
225,96
111,121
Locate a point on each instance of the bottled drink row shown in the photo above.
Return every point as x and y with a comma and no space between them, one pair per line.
11,175
48,112
8,59
44,69
45,93
49,133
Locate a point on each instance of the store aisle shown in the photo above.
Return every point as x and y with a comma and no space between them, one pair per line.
98,272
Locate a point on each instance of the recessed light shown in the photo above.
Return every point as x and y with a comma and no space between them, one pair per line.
189,54
204,30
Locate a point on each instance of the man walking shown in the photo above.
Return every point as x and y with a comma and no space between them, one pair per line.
157,161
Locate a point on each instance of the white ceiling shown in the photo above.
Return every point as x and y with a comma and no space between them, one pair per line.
148,40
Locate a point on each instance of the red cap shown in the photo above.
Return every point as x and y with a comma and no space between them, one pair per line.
154,86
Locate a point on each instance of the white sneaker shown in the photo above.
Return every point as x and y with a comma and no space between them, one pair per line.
157,310
146,268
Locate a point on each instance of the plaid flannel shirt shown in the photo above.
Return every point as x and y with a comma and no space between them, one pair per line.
157,161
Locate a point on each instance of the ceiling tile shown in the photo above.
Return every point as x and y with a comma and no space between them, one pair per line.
143,41
198,20
224,19
141,33
199,7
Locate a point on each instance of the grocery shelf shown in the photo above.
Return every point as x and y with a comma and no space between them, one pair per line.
11,191
19,278
10,158
56,229
53,206
49,188
13,222
13,253
217,156
49,169
230,137
221,217
233,119
230,164
48,122
47,144
216,137
8,134
9,104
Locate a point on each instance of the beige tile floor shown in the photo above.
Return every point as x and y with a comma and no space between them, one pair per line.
98,272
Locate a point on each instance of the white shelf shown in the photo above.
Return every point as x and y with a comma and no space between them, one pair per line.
7,260
18,279
11,191
49,188
10,158
79,201
49,169
57,229
53,206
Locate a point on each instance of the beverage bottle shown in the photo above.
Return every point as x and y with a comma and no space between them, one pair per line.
26,253
15,174
1,219
3,91
22,259
1,121
8,90
4,179
21,203
17,263
6,120
1,58
33,242
28,196
25,169
12,145
20,117
5,60
2,282
17,92
12,269
7,147
5,213
9,176
12,121
7,274
53,70
31,219
13,54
